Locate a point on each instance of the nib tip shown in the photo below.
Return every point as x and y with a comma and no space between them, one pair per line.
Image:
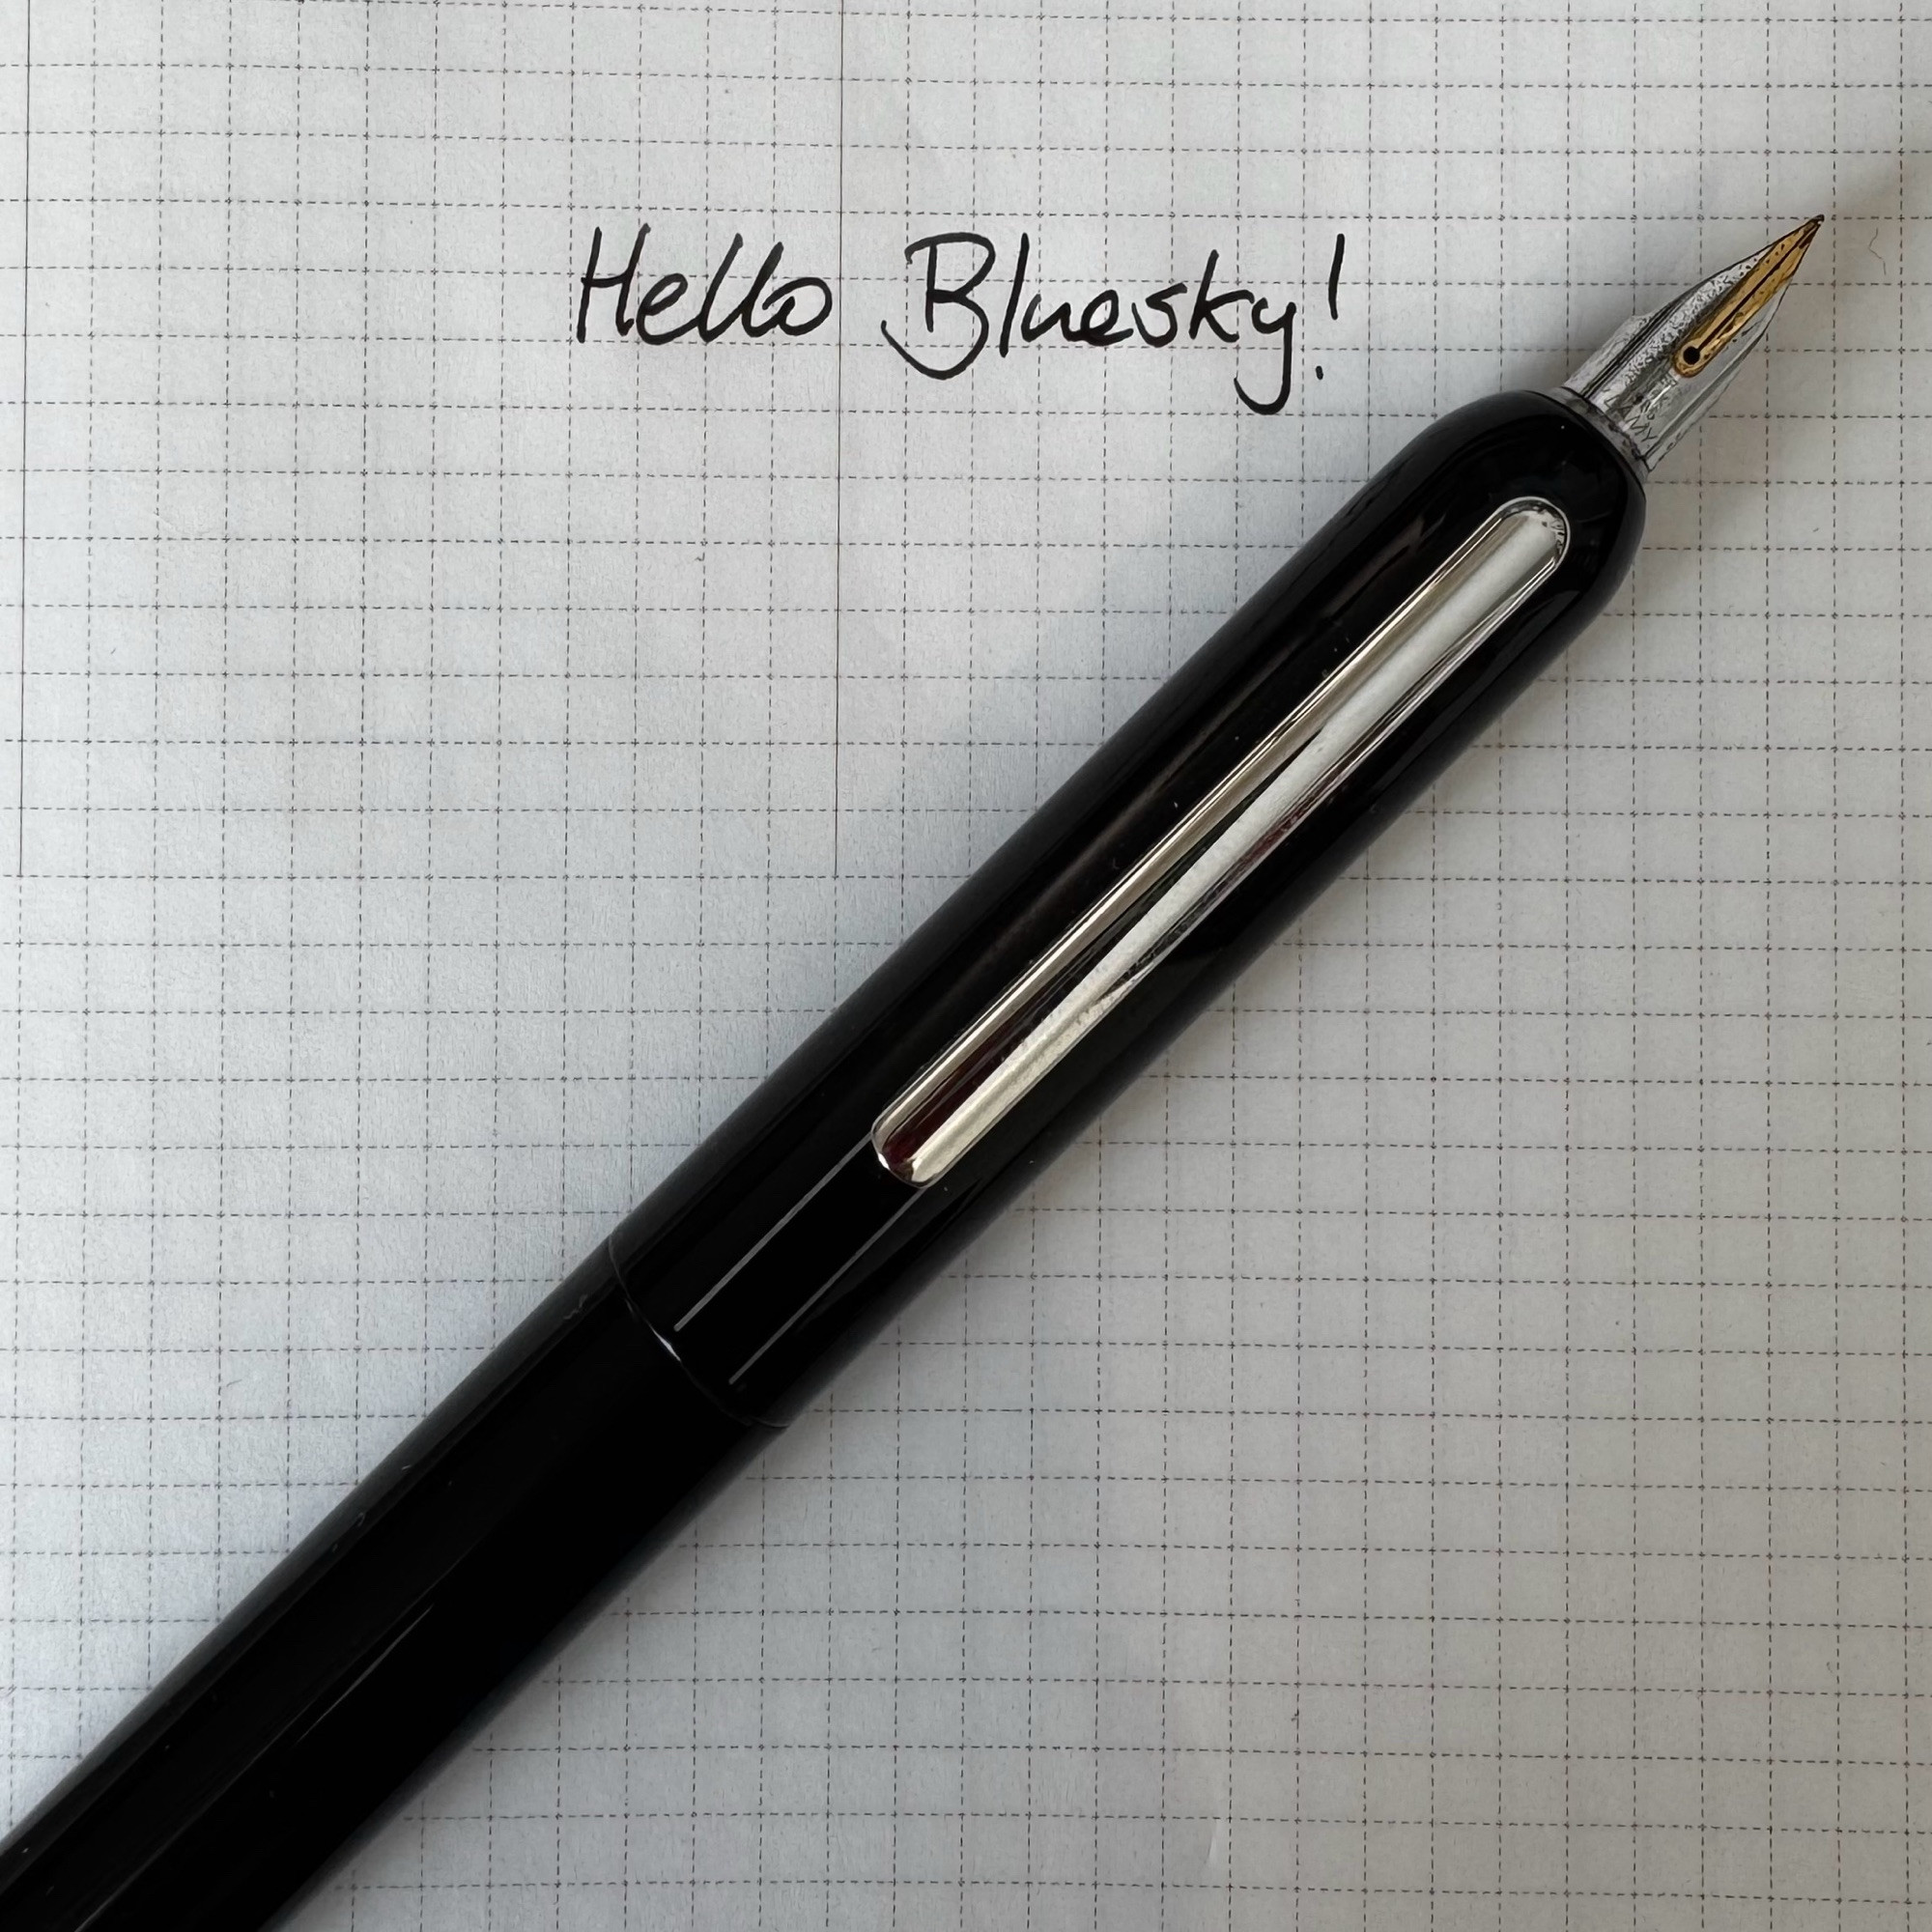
1782,257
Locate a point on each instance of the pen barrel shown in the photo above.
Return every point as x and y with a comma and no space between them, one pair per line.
783,1242
387,1636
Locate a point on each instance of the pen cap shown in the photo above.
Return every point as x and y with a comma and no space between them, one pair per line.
784,1241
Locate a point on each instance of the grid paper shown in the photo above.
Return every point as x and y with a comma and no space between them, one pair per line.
1448,1450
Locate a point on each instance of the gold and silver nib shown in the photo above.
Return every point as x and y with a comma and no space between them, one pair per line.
1659,372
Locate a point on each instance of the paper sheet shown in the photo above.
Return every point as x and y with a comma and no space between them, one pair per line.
1446,1450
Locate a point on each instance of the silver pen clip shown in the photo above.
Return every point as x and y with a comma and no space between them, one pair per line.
1032,1027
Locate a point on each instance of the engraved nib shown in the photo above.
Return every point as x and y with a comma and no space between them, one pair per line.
1659,372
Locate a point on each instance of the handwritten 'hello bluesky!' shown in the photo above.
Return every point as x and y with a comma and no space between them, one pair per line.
964,282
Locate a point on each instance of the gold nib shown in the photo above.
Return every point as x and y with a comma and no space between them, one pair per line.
1769,274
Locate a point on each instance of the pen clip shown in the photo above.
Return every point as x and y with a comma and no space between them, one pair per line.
1112,948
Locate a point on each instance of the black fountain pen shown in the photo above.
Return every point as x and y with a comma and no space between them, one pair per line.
936,1092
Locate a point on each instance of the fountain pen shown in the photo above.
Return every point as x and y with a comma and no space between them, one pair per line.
934,1093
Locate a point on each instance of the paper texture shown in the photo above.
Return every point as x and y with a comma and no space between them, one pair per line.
1447,1450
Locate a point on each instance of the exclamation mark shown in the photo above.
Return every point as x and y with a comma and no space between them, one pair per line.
1334,287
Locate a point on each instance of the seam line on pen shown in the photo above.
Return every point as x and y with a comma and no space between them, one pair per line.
757,1247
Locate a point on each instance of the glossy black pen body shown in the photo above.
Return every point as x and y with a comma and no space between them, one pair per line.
933,1094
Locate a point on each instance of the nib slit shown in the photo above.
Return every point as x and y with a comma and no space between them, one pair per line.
1761,283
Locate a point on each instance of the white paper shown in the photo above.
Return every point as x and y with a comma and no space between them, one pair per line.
1442,1452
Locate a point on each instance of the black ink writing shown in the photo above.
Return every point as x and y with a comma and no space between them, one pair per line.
796,307
960,263
1283,325
960,295
1208,310
962,278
